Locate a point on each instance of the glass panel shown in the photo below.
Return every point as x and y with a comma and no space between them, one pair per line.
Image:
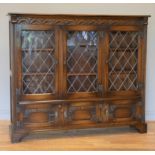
82,51
38,62
123,60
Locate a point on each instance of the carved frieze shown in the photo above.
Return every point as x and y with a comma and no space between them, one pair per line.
73,20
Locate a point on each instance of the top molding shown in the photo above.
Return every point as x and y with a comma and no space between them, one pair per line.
67,19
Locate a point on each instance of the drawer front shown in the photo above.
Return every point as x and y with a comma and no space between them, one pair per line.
39,115
79,113
124,110
120,112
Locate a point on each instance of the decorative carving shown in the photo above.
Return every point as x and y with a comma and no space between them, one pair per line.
73,20
112,109
138,111
93,114
69,113
20,117
104,112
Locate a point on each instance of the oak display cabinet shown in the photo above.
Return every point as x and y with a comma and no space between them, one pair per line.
76,71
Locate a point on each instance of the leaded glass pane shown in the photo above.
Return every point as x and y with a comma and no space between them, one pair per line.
38,62
123,60
82,54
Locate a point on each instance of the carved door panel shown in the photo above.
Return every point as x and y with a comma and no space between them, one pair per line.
124,61
38,115
125,111
81,62
81,113
37,62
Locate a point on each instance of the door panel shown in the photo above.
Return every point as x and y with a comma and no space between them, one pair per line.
39,115
122,111
123,62
81,63
39,60
79,113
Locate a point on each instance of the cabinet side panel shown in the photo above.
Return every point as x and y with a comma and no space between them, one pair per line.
144,58
12,73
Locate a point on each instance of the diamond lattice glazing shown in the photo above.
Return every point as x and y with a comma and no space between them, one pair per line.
38,62
123,61
82,51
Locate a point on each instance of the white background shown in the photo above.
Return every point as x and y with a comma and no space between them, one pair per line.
110,9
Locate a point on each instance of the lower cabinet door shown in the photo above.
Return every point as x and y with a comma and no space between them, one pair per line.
81,113
122,111
39,115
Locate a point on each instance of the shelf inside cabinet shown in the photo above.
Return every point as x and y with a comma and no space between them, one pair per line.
39,74
82,45
38,50
122,72
123,49
81,74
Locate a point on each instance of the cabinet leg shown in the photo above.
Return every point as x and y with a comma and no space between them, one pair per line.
140,127
17,135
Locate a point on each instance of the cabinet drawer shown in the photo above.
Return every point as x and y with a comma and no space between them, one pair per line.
79,113
121,110
39,115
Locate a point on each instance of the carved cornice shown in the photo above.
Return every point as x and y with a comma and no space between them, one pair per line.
74,20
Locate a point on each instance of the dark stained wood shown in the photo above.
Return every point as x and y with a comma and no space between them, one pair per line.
85,108
144,58
105,61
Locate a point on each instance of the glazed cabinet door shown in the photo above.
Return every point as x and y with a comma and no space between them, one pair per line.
82,74
37,62
124,63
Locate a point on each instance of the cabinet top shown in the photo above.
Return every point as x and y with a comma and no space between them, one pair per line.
82,15
78,19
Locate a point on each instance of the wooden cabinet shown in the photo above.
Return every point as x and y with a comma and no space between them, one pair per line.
76,71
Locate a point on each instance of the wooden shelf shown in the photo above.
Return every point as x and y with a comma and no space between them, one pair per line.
80,74
124,72
40,49
122,50
39,74
82,45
